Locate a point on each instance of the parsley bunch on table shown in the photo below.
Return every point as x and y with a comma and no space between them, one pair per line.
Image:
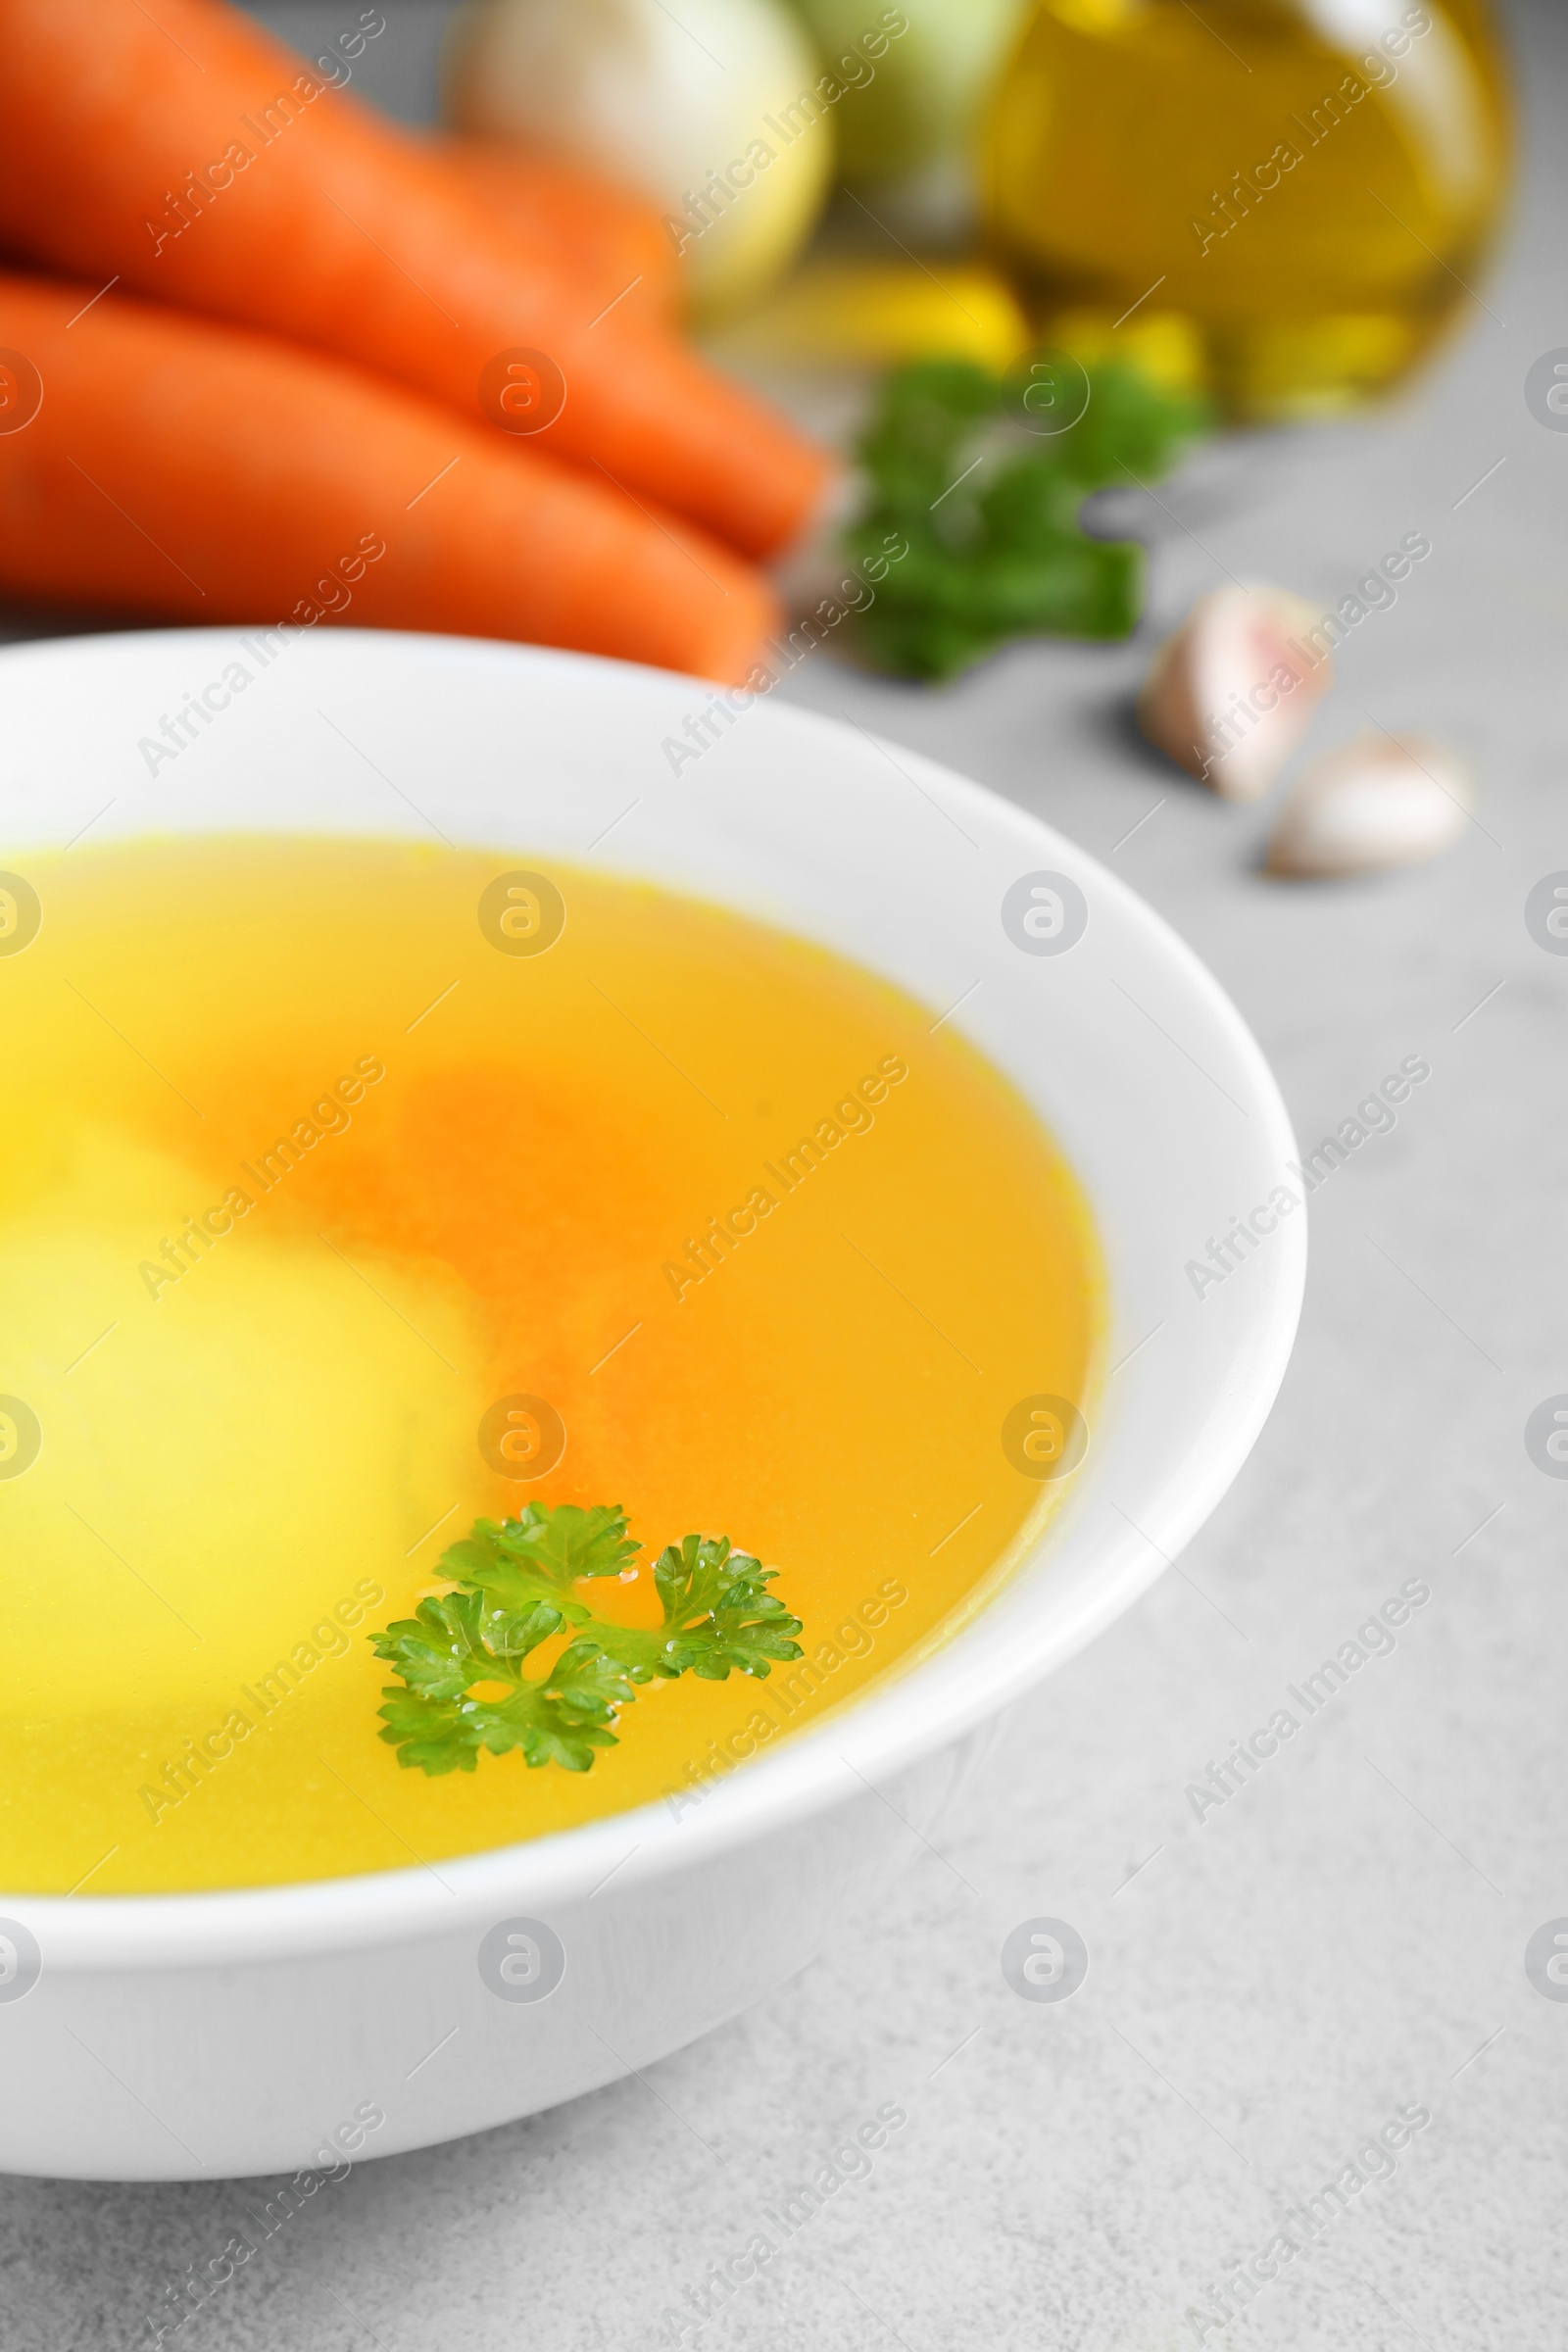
966,470
461,1656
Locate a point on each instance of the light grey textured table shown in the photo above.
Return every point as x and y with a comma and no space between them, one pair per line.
1346,1938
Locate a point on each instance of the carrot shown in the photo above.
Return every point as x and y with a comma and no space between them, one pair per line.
183,468
182,151
611,239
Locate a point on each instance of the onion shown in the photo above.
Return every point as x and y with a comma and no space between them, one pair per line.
716,112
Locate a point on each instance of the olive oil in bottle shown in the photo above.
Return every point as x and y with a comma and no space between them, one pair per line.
1307,186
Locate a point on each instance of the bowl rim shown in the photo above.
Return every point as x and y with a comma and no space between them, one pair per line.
886,1727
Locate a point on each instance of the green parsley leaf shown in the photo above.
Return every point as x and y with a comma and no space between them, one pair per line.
460,1640
441,1735
438,1649
718,1613
517,1579
987,510
541,1554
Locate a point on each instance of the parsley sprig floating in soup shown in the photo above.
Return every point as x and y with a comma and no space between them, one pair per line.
516,1583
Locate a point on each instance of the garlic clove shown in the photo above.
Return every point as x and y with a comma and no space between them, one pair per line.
1231,694
1382,800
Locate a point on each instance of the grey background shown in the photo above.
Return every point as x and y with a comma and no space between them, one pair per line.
1348,1934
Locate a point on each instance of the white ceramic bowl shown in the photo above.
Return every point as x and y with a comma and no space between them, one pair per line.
204,2035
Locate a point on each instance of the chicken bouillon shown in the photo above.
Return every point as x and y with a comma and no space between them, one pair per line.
399,1249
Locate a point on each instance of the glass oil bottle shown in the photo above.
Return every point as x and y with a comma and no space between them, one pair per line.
1303,189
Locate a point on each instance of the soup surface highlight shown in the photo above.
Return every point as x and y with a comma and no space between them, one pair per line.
352,1191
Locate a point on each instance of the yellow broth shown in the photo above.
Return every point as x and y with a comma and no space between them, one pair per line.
318,1153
